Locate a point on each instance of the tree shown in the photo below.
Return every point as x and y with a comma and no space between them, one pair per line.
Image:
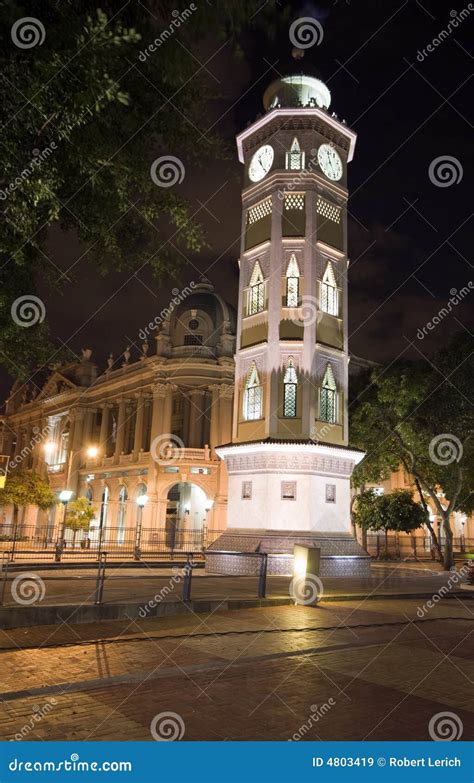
91,98
24,488
80,513
396,511
419,415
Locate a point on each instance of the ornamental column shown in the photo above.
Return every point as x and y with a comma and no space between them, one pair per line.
104,429
75,453
159,394
215,415
226,395
197,397
138,435
120,430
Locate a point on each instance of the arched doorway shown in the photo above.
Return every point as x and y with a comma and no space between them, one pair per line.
186,510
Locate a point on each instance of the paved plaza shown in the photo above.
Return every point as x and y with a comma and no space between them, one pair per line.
342,670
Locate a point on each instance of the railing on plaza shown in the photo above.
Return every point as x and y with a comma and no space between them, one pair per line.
405,546
178,585
119,543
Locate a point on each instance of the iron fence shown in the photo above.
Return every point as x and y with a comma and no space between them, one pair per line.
130,543
418,547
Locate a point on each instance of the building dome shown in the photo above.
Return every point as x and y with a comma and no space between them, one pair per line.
203,324
297,90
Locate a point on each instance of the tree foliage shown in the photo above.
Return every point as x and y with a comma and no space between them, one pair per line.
24,488
85,113
396,511
80,513
420,415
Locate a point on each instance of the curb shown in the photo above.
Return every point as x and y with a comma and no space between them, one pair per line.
25,616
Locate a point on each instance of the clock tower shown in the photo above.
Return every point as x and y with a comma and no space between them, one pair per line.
289,463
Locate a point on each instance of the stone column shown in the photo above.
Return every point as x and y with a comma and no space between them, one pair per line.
159,394
226,394
104,429
120,430
75,450
215,415
138,435
197,397
88,425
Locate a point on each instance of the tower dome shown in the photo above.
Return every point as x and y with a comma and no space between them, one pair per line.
296,90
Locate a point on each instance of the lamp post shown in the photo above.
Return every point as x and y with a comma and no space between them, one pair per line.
207,507
142,500
64,496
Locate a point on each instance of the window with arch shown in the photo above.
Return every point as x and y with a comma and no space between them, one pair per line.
253,395
290,388
89,494
122,510
295,156
328,397
292,282
329,302
256,291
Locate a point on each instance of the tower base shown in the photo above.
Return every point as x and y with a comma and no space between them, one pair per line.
341,554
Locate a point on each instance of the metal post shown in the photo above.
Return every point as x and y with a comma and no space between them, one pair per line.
62,533
5,560
262,579
188,575
99,586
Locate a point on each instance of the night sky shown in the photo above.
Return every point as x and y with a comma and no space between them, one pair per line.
408,238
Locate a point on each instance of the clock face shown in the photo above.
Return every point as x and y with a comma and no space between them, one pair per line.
261,163
330,162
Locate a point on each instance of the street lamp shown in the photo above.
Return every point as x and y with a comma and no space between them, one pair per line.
64,496
141,501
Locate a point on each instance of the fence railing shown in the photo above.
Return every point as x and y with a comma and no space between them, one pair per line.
100,580
119,543
402,546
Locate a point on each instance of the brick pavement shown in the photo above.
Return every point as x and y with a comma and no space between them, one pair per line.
251,674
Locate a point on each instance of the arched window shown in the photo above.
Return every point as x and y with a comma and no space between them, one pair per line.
290,385
122,509
328,397
256,292
292,282
295,157
329,291
253,395
89,494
